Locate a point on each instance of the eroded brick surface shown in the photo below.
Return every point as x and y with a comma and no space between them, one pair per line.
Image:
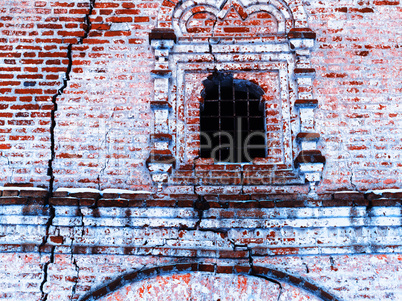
82,250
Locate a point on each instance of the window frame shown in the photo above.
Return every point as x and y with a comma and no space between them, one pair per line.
185,105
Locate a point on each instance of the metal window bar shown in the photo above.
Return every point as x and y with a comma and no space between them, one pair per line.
232,113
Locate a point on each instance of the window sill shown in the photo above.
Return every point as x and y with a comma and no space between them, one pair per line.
207,173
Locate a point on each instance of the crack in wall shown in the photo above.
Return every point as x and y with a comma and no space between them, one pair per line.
244,247
280,292
108,157
307,269
73,259
216,40
81,215
349,165
53,117
87,27
9,165
332,264
270,280
200,206
87,21
251,264
153,248
77,269
52,215
351,178
44,295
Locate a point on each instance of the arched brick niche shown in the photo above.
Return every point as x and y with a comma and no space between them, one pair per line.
196,281
265,42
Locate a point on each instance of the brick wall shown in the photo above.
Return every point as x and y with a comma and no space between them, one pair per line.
103,121
77,100
103,131
35,36
358,89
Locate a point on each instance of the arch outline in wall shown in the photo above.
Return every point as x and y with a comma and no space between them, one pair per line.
265,273
184,12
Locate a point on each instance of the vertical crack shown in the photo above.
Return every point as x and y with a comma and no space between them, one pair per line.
270,280
332,262
87,21
53,118
200,205
87,27
250,257
209,41
42,246
81,215
77,269
251,264
73,259
9,165
351,178
247,248
44,295
280,291
108,157
307,269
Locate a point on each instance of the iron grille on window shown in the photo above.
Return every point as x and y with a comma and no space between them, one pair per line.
232,120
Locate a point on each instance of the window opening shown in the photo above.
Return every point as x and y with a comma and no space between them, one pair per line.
232,120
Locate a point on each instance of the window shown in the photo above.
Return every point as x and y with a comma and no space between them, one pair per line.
232,120
257,106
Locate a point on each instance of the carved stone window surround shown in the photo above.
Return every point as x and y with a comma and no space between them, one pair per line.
175,103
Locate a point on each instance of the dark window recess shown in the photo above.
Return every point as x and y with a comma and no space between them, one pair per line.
232,120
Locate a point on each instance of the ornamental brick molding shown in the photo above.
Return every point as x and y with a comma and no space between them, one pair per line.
288,13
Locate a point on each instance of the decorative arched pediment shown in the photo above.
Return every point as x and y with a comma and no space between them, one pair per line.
184,12
288,14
